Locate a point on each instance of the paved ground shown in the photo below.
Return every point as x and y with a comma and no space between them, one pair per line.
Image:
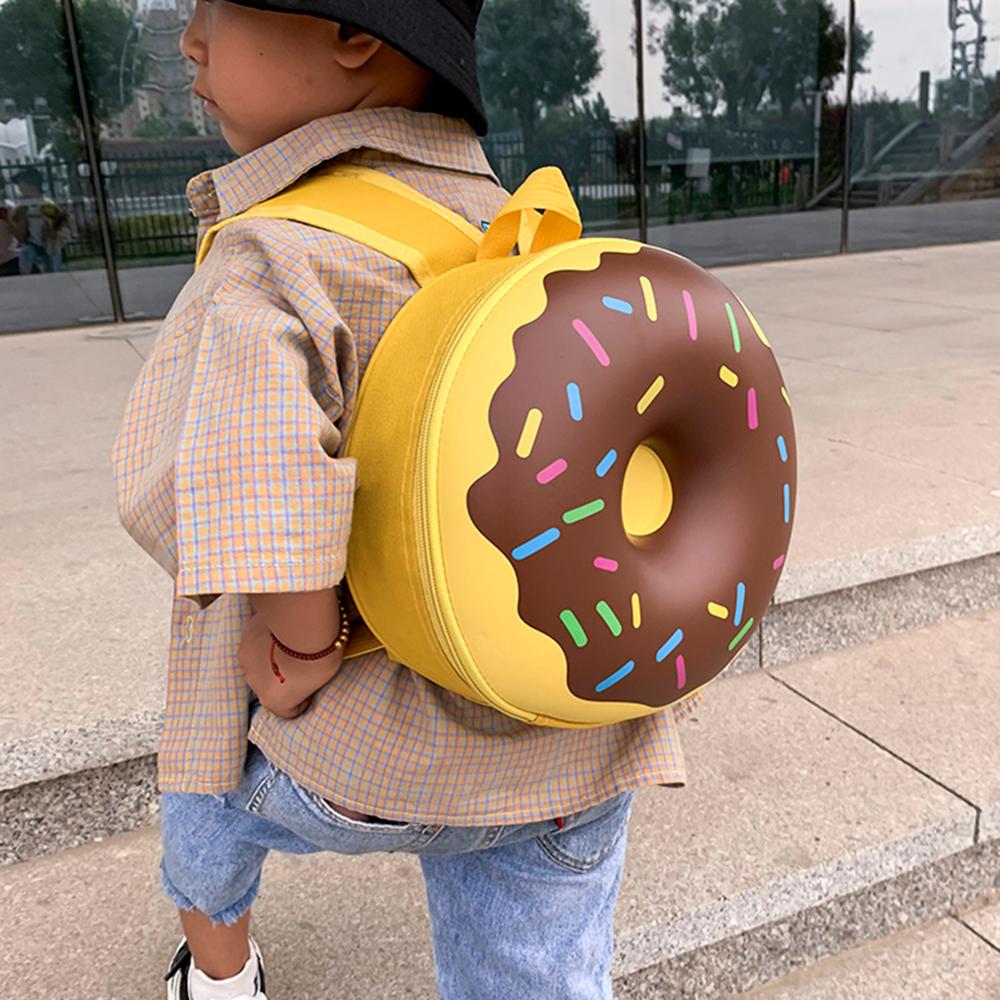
941,961
50,301
771,825
892,361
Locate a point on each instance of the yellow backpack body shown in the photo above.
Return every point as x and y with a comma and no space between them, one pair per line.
576,463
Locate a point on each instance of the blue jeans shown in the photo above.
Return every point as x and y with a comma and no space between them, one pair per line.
519,911
33,255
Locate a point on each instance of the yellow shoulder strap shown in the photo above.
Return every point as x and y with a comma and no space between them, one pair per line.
377,210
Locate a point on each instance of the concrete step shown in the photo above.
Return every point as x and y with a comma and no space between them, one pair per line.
831,803
897,522
948,958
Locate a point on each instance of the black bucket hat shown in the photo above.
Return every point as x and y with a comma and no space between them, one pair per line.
439,35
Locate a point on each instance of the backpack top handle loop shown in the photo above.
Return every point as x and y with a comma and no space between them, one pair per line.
539,215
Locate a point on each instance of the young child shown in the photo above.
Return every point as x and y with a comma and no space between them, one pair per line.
228,474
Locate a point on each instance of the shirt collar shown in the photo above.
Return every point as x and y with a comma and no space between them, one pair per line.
421,137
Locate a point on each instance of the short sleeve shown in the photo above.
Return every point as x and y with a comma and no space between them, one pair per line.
263,502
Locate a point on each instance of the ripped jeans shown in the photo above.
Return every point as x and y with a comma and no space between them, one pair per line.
518,911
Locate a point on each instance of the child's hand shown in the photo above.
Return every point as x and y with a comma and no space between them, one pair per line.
303,678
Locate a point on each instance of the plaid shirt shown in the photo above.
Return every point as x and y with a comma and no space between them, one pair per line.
227,475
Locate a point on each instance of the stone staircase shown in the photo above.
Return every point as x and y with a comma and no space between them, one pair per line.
923,158
843,809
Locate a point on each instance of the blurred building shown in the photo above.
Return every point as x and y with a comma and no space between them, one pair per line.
164,106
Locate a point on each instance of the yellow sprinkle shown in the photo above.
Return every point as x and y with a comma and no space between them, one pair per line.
636,611
529,434
784,395
651,393
729,376
718,611
754,324
650,296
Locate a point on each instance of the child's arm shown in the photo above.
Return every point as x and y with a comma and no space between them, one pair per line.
307,622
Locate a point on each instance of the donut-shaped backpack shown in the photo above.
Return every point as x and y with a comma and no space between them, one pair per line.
576,463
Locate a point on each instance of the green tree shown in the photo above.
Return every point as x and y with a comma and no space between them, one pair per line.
739,52
155,127
35,58
812,52
535,55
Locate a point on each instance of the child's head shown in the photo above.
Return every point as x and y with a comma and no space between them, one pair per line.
265,72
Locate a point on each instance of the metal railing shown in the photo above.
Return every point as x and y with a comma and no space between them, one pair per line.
151,221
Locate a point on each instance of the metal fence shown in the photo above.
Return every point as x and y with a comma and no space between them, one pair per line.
151,221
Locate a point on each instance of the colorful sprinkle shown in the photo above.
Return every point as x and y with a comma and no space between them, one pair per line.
604,466
729,377
681,673
753,421
536,544
608,565
575,402
718,610
574,628
618,675
529,433
692,315
669,646
741,635
649,296
592,342
782,448
618,305
788,503
741,597
581,513
610,618
737,343
636,611
778,563
553,471
755,325
784,395
650,394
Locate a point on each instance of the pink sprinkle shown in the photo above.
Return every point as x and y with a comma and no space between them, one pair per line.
608,565
553,471
592,342
779,562
752,420
692,315
681,673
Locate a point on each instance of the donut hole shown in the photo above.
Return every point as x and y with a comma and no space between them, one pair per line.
647,492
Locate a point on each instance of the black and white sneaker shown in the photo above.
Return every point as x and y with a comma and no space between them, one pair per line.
180,967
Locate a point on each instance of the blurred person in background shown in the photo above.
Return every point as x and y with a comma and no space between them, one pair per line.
40,225
10,256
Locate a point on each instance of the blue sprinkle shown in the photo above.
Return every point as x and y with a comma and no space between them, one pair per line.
782,449
669,646
741,596
788,504
536,544
609,460
618,305
617,676
575,402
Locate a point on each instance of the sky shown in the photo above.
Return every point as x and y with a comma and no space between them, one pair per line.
910,36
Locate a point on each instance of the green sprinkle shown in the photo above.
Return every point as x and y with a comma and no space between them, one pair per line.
610,618
737,343
574,628
580,513
739,635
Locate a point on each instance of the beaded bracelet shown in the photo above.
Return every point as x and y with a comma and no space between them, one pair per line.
338,643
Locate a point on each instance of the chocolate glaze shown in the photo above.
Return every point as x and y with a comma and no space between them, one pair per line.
727,524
